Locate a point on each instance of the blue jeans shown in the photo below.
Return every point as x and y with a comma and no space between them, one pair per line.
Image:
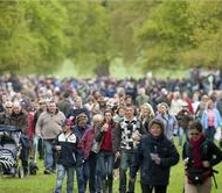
61,172
105,171
210,132
48,154
82,175
125,163
180,135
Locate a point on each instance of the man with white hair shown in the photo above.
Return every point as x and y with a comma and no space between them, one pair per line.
19,119
91,146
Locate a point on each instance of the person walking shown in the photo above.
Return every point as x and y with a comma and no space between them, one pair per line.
48,126
65,146
124,139
199,155
155,156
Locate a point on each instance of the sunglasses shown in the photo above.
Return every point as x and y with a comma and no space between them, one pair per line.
8,107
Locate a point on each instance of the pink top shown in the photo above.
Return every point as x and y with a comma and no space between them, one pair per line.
211,118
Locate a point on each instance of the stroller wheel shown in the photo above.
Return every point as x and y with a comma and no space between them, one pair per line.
20,172
1,171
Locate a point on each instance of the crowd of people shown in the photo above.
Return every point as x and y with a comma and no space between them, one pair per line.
97,126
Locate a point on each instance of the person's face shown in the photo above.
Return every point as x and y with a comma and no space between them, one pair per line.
52,107
155,130
129,112
17,109
78,102
210,104
98,123
108,117
65,128
145,111
162,109
194,134
9,109
121,112
82,123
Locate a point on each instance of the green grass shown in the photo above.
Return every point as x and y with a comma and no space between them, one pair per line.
45,183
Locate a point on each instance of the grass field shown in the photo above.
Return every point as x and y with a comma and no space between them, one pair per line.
45,183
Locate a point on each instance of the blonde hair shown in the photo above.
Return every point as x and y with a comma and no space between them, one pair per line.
97,117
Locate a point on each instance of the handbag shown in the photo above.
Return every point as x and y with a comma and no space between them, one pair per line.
198,176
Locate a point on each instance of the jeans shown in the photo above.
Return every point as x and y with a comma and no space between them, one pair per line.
82,175
48,155
25,153
92,172
180,135
210,132
61,172
125,163
105,171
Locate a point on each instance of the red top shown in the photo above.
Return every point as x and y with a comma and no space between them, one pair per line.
107,140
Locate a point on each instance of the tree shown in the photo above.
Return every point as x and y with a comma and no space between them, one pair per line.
32,37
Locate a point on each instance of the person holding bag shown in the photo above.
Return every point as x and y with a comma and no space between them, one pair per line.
199,155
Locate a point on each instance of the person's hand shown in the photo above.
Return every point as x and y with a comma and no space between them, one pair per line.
136,136
186,162
157,160
58,147
206,164
105,127
155,157
117,155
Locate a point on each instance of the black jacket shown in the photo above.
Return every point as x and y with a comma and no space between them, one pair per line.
151,173
67,155
209,152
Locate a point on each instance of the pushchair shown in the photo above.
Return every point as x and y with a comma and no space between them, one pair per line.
10,150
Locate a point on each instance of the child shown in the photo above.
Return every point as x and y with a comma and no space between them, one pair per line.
66,159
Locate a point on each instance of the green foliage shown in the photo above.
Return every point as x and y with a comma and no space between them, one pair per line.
37,36
32,37
182,33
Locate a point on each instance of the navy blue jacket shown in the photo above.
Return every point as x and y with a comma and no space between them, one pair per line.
152,173
79,132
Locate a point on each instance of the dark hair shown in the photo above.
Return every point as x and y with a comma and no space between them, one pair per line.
196,125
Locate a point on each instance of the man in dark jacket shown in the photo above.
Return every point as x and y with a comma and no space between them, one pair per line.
81,166
19,119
